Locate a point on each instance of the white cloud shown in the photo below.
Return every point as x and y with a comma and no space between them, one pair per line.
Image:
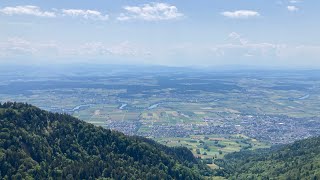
151,12
238,37
281,2
292,8
27,10
238,50
240,46
36,11
301,51
17,47
295,1
87,14
265,50
102,49
240,14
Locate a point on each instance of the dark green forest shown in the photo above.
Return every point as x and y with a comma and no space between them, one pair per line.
36,144
300,160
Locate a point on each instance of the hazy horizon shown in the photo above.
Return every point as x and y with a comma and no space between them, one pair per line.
264,34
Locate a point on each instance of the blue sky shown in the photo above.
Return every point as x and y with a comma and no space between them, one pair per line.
266,33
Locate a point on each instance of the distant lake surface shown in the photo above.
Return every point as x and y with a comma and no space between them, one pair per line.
153,106
304,97
123,106
81,106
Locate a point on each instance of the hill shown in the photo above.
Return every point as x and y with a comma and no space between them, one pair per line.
300,160
36,144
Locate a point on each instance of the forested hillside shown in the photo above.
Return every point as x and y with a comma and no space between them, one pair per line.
36,144
300,160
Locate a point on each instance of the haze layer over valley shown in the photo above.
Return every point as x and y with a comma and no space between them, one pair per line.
210,112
